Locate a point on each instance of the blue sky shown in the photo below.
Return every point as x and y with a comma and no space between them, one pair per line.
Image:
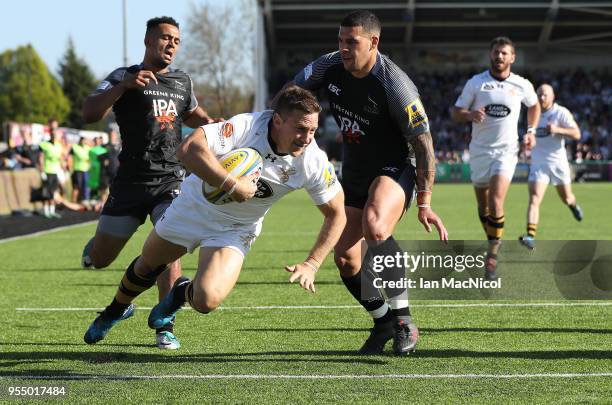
96,27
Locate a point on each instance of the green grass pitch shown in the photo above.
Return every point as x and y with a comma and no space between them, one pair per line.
242,354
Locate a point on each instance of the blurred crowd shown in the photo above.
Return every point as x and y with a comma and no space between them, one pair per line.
587,95
74,176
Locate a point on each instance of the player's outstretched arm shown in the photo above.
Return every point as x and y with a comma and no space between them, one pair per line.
198,117
333,224
197,158
425,174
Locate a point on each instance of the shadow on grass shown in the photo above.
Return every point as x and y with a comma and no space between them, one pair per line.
10,359
438,330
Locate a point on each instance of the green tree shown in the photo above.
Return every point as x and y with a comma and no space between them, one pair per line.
77,82
28,91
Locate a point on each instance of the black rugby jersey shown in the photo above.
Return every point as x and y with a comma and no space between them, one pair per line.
150,121
376,114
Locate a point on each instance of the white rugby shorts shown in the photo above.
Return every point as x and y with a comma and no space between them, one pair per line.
483,166
192,225
555,173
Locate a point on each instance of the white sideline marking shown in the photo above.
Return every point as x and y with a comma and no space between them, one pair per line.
59,228
303,377
487,305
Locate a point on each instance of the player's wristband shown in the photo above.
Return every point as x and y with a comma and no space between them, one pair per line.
228,186
314,260
231,190
312,266
224,181
423,191
424,205
531,130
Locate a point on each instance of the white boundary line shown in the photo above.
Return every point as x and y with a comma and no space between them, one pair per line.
271,307
59,228
304,377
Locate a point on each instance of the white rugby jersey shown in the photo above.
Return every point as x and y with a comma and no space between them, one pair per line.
501,101
280,175
551,148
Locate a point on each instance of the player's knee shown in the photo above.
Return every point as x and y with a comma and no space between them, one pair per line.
100,262
205,303
346,265
376,230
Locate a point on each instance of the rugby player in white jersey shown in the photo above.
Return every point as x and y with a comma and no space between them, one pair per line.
284,137
549,162
491,101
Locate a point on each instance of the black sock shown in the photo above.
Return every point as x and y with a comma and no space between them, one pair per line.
115,309
363,290
167,328
402,314
179,294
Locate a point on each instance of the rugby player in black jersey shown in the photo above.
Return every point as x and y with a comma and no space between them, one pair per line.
388,150
151,102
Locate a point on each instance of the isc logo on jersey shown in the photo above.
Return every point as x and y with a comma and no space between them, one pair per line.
239,163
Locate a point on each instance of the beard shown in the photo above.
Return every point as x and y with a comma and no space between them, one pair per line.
500,69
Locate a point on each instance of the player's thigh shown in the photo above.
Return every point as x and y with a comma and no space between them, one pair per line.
536,191
384,208
158,251
218,271
112,234
498,188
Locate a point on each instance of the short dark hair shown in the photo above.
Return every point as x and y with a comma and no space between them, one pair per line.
295,98
155,22
362,18
501,41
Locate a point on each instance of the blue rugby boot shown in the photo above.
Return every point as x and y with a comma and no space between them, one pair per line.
163,313
103,323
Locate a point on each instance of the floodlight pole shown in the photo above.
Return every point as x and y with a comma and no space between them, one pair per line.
125,53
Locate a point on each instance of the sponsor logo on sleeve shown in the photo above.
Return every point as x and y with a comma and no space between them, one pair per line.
227,129
497,110
105,84
329,175
416,113
308,71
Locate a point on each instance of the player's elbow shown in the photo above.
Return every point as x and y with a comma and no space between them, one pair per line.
89,112
456,115
576,135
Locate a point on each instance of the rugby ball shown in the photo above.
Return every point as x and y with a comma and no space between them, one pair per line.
239,163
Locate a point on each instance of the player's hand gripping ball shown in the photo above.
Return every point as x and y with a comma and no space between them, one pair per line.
239,163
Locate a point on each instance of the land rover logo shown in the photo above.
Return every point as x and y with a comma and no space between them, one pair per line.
263,189
497,110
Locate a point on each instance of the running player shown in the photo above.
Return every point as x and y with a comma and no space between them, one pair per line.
224,233
549,161
151,101
385,129
491,101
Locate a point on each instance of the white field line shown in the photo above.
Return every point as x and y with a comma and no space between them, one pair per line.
59,228
271,307
303,377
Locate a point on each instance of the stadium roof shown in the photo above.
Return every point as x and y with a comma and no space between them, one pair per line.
559,24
